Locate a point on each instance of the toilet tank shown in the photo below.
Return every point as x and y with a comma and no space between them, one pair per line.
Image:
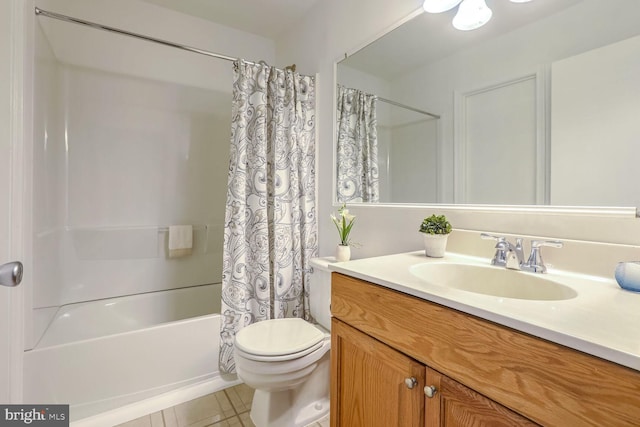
320,291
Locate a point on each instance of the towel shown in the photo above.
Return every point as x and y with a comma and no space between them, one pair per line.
180,240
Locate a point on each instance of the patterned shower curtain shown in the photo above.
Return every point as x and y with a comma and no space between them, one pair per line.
271,231
357,147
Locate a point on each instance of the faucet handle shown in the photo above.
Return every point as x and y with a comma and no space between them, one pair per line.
535,262
487,236
500,257
551,243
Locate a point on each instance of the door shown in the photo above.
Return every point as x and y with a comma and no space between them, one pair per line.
451,404
12,49
373,385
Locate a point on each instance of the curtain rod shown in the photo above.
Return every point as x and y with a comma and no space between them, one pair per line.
397,104
67,18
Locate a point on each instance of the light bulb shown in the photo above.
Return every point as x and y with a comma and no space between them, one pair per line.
472,14
438,6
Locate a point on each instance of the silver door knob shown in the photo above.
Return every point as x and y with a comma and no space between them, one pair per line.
410,382
11,274
430,391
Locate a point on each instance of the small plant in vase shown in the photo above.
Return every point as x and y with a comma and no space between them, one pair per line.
436,230
344,224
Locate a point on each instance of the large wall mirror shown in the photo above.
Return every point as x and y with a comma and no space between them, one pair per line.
541,106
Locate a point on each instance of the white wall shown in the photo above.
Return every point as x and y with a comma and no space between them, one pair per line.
338,26
595,113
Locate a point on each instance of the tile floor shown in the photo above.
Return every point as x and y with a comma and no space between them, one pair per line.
225,408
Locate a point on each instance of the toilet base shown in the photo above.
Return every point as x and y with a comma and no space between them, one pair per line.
296,407
264,408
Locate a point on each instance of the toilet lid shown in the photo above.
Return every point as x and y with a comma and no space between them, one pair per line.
277,337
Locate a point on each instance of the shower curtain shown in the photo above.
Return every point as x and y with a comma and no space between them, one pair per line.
271,231
357,147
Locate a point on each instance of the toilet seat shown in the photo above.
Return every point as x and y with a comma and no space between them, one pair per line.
279,340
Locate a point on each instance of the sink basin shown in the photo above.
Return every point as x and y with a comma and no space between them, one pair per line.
491,280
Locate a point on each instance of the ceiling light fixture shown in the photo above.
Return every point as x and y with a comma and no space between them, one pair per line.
438,6
471,14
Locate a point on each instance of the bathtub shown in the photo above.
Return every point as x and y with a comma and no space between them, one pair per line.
119,358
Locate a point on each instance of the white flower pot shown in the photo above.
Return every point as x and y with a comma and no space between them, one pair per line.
435,244
343,253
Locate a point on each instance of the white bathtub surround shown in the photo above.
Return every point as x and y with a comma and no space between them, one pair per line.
128,158
131,313
271,231
120,152
180,240
128,138
137,348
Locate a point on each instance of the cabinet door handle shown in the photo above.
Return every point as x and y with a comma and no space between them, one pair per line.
430,391
410,382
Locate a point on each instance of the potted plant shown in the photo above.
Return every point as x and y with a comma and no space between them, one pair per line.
436,230
344,223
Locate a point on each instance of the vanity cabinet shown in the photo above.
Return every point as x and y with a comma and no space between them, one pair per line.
377,386
370,390
483,373
451,404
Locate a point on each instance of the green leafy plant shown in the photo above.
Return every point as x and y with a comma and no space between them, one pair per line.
344,223
435,224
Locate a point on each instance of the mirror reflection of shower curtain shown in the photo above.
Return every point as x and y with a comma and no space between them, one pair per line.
357,147
270,230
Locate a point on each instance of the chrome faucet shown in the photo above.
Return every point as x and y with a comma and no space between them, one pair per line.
514,257
535,263
507,254
511,256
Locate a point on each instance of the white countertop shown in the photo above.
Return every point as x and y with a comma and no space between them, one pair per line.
603,320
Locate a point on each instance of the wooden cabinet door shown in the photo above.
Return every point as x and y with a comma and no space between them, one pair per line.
368,387
454,405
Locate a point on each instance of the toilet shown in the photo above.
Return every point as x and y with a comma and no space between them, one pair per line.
287,360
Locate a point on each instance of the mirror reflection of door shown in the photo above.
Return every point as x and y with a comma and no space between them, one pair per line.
497,152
